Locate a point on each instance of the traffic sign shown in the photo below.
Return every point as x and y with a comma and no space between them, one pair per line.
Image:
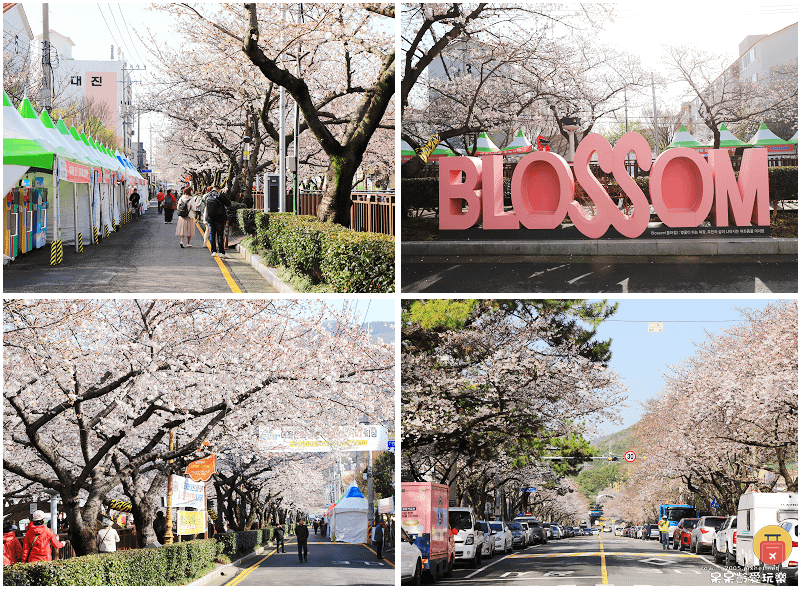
714,503
630,456
391,445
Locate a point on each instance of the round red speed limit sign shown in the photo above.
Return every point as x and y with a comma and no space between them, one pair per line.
630,456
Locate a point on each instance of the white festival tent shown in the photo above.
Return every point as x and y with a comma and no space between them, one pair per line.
15,127
349,519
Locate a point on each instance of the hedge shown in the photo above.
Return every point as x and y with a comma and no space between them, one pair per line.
247,221
358,262
233,217
227,543
169,565
247,541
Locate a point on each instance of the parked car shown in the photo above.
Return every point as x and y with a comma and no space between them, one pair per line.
469,539
640,532
587,532
723,548
683,533
503,541
789,566
702,537
518,535
555,531
537,531
595,531
410,560
606,528
488,546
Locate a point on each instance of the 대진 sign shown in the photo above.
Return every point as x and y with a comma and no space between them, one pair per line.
684,190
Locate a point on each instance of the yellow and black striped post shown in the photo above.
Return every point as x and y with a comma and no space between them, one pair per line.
56,252
80,242
115,226
106,230
94,232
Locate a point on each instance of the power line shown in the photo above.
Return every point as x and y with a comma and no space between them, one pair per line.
127,28
113,38
120,32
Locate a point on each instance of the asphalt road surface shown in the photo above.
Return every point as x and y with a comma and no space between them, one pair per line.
597,561
565,277
329,564
143,257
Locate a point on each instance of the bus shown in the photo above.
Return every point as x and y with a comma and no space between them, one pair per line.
674,514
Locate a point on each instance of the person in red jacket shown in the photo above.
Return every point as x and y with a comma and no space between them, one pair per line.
38,540
160,196
12,550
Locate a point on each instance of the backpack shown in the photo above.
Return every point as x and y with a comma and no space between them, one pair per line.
214,208
183,209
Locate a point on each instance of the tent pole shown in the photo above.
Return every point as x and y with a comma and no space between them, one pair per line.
75,211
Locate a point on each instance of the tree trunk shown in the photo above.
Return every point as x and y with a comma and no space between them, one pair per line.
83,524
336,203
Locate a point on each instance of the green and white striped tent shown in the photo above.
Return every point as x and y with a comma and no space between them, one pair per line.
794,138
728,139
684,139
766,137
519,145
485,146
441,151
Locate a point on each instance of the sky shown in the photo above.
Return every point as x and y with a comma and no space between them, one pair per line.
370,310
641,358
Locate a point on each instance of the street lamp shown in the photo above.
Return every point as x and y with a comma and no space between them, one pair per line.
571,124
54,498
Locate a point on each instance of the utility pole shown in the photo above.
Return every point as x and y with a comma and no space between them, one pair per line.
47,70
655,115
282,139
296,194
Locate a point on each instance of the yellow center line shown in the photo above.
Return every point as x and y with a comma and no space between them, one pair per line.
371,549
225,274
603,569
247,572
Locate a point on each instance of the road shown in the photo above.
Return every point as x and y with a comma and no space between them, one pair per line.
593,561
144,257
329,564
605,277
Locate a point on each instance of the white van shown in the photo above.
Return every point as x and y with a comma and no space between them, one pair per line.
470,538
757,510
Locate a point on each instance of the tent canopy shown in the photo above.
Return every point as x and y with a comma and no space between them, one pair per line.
350,516
766,137
684,139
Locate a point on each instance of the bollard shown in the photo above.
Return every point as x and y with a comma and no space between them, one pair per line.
226,235
106,229
80,243
94,231
56,252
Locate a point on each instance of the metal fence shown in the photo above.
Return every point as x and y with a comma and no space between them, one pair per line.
372,211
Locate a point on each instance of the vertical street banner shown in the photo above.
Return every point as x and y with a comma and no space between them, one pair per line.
191,523
188,494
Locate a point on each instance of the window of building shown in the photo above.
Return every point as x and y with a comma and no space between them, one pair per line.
753,55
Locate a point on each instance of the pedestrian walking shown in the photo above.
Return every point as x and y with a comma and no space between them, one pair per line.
107,537
323,525
185,227
169,206
39,540
301,531
134,200
215,217
377,538
160,196
663,531
279,541
12,549
196,205
160,526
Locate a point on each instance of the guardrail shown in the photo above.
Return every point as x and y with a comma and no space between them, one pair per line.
372,211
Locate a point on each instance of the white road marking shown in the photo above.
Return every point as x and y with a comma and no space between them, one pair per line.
576,279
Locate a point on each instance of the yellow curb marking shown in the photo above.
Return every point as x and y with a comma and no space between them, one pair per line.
225,274
376,555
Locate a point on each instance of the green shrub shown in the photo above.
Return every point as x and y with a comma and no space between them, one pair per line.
265,536
281,241
233,217
262,225
247,541
227,543
168,565
356,262
419,194
783,183
247,221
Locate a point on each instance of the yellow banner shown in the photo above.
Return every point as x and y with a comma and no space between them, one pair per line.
425,151
191,523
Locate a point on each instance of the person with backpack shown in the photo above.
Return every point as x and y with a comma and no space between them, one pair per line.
169,206
215,217
39,540
185,227
107,537
12,550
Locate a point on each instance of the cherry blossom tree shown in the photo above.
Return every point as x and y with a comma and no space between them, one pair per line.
92,388
724,96
498,381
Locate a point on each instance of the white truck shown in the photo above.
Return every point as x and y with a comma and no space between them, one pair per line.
757,510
